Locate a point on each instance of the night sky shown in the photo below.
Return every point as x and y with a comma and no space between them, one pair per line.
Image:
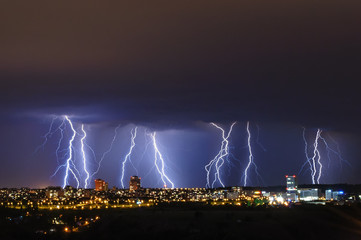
174,67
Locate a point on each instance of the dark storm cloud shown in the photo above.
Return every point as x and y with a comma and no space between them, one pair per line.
175,62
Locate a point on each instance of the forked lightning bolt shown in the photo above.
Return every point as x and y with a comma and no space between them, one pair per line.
69,165
69,162
127,157
84,157
217,162
315,159
251,161
250,156
316,154
158,157
315,162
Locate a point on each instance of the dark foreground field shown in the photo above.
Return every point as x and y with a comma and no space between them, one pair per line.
302,222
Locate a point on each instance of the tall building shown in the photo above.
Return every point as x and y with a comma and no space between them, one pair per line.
291,187
291,183
100,185
134,183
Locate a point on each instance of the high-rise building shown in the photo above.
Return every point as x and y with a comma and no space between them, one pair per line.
134,183
291,187
291,183
100,185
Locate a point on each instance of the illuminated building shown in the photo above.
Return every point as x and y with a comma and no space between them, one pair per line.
291,187
100,185
308,194
328,194
337,195
291,183
333,195
134,183
54,192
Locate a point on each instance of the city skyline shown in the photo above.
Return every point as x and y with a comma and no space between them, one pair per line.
199,119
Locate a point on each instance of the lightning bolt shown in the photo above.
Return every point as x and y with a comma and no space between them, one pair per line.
50,132
127,157
315,160
316,153
158,157
219,159
250,156
70,155
148,143
311,161
84,157
251,161
69,162
107,152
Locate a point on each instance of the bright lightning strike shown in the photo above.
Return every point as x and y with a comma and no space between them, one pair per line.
158,157
219,159
316,153
69,162
250,156
127,157
251,161
315,162
84,157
